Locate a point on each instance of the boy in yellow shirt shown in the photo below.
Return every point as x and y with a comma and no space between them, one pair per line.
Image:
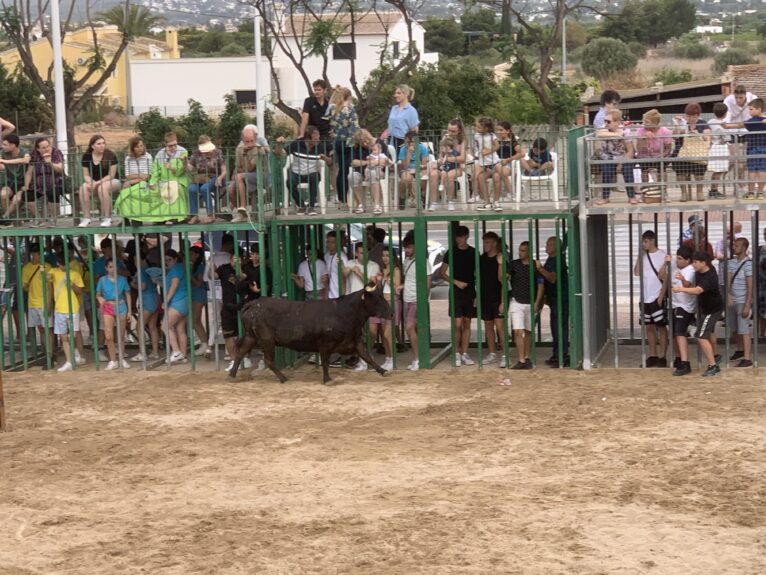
66,289
33,277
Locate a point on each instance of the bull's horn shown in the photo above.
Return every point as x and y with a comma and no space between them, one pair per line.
371,287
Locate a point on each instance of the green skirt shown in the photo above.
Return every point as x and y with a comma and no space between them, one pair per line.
142,203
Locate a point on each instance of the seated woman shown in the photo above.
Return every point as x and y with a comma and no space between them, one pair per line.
44,180
164,197
99,172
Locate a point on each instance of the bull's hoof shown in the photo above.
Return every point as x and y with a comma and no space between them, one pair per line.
384,373
232,376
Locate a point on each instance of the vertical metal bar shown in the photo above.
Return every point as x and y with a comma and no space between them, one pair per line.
532,293
585,288
504,247
669,284
479,322
118,323
93,307
615,316
189,318
141,327
451,288
393,295
756,285
48,344
423,299
641,254
631,300
70,295
20,299
165,301
724,269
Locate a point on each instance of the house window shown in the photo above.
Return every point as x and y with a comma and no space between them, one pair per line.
395,49
344,51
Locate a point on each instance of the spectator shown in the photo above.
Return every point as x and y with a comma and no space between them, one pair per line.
177,306
698,242
610,100
492,312
408,158
309,155
208,171
149,304
485,145
521,304
251,288
508,152
756,150
384,325
740,300
616,146
344,124
332,281
538,161
138,163
709,307
231,303
718,164
450,164
67,287
403,117
762,287
44,177
113,296
738,112
367,163
310,271
34,279
251,152
314,112
724,249
376,244
554,273
410,295
650,268
197,265
165,198
13,163
7,127
691,150
653,144
463,278
99,172
357,272
684,306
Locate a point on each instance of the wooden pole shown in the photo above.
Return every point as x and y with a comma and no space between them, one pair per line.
2,404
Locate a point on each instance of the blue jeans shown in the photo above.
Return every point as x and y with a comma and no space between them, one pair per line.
609,176
207,189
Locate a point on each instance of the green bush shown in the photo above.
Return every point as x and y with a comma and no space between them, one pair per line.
195,123
668,76
637,48
604,57
732,57
152,127
762,47
230,124
692,50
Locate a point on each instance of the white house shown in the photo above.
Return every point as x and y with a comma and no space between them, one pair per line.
168,84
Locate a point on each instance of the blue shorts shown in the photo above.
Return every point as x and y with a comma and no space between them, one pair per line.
149,303
181,306
199,295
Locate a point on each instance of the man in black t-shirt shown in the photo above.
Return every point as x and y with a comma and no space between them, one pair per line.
521,304
492,313
315,111
231,302
559,309
463,278
709,308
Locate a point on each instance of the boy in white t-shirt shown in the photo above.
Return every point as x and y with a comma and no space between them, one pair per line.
650,266
355,270
410,296
684,307
310,280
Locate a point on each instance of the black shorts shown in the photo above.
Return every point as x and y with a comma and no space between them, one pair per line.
14,186
706,324
683,168
465,305
653,313
229,324
682,319
490,310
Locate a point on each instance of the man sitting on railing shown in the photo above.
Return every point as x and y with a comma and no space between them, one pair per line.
250,152
13,163
308,154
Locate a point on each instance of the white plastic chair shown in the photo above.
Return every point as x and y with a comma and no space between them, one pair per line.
552,177
384,195
320,191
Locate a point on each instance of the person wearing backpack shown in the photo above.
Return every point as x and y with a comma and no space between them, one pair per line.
740,300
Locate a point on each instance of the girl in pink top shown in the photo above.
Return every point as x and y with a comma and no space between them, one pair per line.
652,143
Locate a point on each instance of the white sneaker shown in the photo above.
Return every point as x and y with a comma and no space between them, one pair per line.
491,358
84,223
361,365
138,357
377,210
176,356
498,207
432,208
388,365
458,360
102,355
467,360
450,207
106,222
471,200
79,360
485,207
414,366
111,365
503,362
202,350
124,364
66,367
246,363
261,365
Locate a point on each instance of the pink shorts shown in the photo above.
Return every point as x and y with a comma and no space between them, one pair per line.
410,312
386,321
107,309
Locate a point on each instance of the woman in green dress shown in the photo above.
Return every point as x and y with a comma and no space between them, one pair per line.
164,197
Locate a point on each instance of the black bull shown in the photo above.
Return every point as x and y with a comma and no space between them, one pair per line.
324,327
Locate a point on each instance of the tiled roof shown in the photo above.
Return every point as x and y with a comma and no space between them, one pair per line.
369,24
751,76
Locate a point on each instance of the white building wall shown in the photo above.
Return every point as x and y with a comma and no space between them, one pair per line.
168,84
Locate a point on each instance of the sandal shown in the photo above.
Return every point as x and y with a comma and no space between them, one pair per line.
377,210
359,210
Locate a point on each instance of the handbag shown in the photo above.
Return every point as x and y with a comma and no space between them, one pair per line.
695,148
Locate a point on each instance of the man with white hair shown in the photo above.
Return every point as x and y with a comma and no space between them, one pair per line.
246,179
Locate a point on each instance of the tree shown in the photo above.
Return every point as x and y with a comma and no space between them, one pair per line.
21,104
732,57
668,76
195,123
689,46
152,127
233,49
604,57
443,35
650,21
230,123
18,24
286,24
482,20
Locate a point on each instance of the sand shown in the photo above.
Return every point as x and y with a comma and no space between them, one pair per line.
559,473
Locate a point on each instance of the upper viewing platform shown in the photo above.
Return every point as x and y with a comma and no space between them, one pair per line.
204,187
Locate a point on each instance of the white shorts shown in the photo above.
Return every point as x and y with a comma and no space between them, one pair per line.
521,315
719,158
36,317
61,323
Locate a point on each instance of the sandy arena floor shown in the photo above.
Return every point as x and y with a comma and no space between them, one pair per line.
558,473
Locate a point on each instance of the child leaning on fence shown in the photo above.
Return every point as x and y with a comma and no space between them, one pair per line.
616,145
718,162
